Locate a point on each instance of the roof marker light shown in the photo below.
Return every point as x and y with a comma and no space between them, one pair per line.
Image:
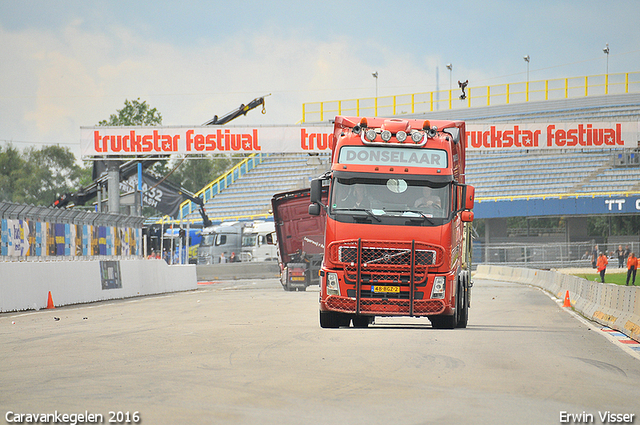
371,135
417,136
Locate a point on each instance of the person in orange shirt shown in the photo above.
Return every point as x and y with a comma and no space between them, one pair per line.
632,267
602,265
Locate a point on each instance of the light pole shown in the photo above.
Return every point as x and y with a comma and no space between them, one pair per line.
450,68
606,77
375,75
527,59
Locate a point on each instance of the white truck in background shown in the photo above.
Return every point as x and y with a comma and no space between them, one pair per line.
238,241
259,242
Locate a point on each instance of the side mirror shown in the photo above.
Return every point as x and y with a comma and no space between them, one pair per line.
469,198
316,191
466,216
454,132
314,209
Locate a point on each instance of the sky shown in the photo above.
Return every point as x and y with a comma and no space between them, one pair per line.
67,64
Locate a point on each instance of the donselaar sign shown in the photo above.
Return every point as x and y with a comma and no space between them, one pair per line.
139,141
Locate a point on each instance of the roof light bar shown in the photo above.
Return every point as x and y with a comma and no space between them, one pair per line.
371,134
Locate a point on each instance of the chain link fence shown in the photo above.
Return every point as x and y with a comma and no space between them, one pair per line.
36,233
547,255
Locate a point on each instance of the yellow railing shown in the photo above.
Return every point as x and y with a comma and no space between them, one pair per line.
222,182
625,194
502,94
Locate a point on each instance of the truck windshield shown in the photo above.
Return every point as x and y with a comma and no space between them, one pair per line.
207,240
249,240
392,197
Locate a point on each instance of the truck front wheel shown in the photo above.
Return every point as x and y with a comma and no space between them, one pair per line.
462,309
331,319
444,322
362,321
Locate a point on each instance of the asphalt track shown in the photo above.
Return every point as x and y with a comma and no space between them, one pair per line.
246,352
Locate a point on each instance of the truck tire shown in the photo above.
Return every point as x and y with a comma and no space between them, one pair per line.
444,322
462,308
330,319
361,321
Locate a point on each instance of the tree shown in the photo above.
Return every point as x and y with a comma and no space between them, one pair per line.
134,113
11,165
49,172
38,176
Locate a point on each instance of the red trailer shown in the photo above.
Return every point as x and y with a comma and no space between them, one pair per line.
300,239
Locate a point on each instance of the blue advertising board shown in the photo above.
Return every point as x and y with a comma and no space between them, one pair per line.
587,205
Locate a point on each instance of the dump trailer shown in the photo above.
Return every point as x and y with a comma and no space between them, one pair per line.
398,220
300,239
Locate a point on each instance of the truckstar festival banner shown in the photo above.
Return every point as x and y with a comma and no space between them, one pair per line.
138,141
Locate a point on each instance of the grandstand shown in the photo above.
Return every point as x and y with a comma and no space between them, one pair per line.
249,195
522,173
552,172
496,175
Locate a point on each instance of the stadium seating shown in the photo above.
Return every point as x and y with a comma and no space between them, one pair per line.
494,174
250,195
526,173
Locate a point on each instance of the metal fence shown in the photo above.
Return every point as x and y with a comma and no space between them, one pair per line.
547,255
501,94
36,233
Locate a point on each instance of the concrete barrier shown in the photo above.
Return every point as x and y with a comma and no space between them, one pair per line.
250,270
615,306
26,285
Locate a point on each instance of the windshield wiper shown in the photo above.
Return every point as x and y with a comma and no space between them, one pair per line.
412,211
371,214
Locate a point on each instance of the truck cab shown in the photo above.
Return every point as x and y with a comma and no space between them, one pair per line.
259,242
219,242
397,239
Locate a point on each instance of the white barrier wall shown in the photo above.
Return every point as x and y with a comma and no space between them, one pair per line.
26,285
615,306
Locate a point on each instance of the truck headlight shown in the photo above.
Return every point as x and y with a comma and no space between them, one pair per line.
438,287
333,288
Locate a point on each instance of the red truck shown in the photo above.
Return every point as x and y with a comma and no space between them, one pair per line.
398,223
300,239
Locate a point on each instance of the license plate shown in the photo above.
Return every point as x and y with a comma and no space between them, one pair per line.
295,278
395,289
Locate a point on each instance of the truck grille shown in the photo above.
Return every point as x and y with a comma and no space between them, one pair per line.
386,256
386,307
402,267
384,253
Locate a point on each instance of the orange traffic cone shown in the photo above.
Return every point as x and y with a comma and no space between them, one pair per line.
567,301
50,301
